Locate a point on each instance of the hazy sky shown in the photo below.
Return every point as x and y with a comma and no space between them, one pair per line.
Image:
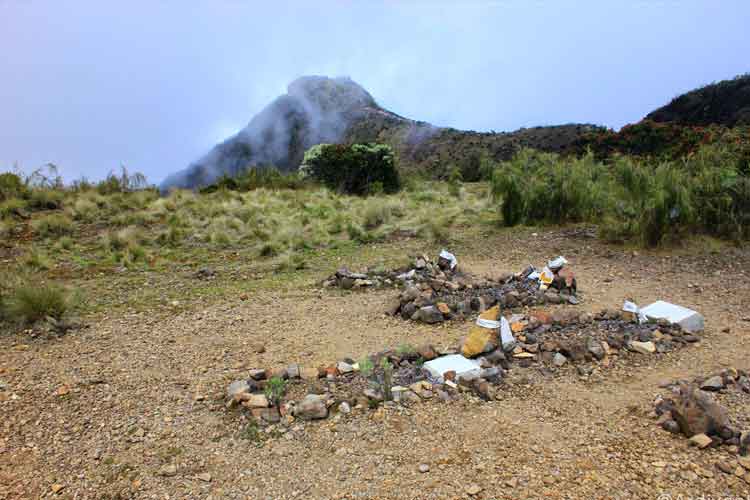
91,85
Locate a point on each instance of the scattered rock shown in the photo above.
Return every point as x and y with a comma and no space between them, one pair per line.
725,467
424,468
595,348
237,388
205,477
715,383
344,367
254,400
427,352
643,347
429,315
701,441
313,407
473,489
671,426
293,371
697,412
309,373
168,470
559,360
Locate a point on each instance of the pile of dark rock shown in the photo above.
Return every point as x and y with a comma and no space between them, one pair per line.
421,270
564,337
691,409
437,300
434,292
401,376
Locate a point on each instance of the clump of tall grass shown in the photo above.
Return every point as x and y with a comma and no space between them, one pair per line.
361,235
171,237
29,303
125,246
12,207
123,238
376,213
64,243
53,225
46,199
652,203
541,187
85,209
36,259
291,261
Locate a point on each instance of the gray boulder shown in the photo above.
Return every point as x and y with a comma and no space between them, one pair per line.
696,412
313,407
429,315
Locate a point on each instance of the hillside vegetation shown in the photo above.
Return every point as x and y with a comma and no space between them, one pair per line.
723,103
318,109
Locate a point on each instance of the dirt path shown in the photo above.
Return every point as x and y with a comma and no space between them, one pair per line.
143,388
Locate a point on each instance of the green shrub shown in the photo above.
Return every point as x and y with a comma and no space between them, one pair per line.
360,235
65,243
275,390
53,225
652,203
257,177
31,303
506,188
172,237
12,207
455,178
376,214
359,169
36,259
46,199
11,186
269,249
85,209
291,261
122,239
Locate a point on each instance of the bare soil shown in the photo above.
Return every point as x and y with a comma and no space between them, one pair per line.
103,412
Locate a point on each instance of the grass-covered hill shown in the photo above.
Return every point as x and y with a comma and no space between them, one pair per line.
723,103
319,109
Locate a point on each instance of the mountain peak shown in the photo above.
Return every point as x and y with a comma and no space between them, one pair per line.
340,93
319,109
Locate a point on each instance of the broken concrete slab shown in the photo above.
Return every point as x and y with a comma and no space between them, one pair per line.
463,367
690,321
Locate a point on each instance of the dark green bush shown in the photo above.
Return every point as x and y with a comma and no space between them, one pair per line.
359,169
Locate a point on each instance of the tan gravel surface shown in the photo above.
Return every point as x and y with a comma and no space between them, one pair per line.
131,407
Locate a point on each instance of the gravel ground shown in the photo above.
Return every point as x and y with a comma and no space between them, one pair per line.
131,406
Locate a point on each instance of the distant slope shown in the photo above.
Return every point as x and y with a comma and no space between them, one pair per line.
724,103
318,109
